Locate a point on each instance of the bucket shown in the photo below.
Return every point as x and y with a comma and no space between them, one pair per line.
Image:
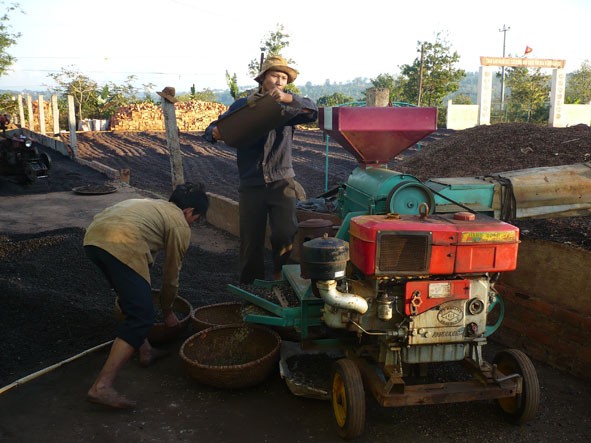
307,230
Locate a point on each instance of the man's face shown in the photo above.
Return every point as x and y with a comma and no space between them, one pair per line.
274,79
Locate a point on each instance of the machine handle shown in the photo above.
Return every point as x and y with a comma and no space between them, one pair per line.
424,210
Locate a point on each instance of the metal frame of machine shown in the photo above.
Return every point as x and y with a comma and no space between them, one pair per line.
21,160
399,287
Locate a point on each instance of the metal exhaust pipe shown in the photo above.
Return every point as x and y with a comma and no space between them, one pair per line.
329,293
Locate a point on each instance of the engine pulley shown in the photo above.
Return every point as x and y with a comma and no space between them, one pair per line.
407,196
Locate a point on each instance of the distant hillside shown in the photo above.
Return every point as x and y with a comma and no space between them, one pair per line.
354,88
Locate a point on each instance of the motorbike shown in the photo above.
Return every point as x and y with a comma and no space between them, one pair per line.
21,160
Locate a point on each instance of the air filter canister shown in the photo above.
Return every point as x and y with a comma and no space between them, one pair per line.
324,258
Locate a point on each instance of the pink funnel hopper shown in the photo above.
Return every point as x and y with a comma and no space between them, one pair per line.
376,135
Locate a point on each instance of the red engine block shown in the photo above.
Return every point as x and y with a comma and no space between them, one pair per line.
409,245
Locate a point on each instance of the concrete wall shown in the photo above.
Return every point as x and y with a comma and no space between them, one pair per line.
466,116
461,116
223,214
576,114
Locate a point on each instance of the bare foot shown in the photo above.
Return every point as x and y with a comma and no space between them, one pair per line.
147,358
109,397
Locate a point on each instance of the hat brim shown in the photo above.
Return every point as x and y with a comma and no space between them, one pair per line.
292,74
170,98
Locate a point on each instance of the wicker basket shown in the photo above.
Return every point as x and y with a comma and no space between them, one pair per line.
231,356
220,314
159,333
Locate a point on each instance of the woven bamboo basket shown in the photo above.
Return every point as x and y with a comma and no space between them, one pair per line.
220,314
159,333
231,356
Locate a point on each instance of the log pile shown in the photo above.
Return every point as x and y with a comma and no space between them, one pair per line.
192,115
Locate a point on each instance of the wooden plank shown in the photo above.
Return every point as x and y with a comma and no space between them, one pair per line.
172,142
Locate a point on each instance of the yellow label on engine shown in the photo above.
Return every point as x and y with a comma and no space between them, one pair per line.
489,237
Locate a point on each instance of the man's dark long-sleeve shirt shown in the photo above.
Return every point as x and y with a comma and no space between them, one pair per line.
269,158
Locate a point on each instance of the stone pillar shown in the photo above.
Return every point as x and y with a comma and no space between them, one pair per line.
379,97
484,95
557,98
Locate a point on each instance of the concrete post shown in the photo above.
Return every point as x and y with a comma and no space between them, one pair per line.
21,111
31,117
56,115
41,104
72,126
557,92
484,95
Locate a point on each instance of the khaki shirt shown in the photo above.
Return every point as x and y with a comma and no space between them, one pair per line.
135,230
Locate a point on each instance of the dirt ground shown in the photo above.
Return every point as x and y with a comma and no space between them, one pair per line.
56,305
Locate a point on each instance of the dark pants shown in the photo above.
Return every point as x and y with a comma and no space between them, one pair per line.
134,292
277,201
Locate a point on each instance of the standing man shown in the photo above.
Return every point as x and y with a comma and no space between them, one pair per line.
267,186
122,241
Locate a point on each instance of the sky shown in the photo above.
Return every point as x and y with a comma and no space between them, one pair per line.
181,43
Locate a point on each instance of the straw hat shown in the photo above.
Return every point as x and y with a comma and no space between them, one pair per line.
277,63
168,94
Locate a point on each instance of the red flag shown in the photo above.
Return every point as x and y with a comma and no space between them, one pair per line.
528,50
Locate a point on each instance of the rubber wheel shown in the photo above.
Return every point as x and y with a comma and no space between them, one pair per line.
348,399
30,173
46,160
522,407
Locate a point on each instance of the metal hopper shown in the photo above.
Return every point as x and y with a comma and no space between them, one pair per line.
377,135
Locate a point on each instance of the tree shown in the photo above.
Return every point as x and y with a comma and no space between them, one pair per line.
7,38
393,84
434,70
113,96
8,104
232,82
462,99
274,42
205,95
335,99
72,82
530,90
578,85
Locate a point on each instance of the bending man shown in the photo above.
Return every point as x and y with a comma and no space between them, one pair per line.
122,241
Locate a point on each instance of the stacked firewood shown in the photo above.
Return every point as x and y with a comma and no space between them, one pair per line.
190,116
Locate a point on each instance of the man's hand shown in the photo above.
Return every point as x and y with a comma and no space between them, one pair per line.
216,134
280,96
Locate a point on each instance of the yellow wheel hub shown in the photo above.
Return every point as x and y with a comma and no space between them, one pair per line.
339,400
